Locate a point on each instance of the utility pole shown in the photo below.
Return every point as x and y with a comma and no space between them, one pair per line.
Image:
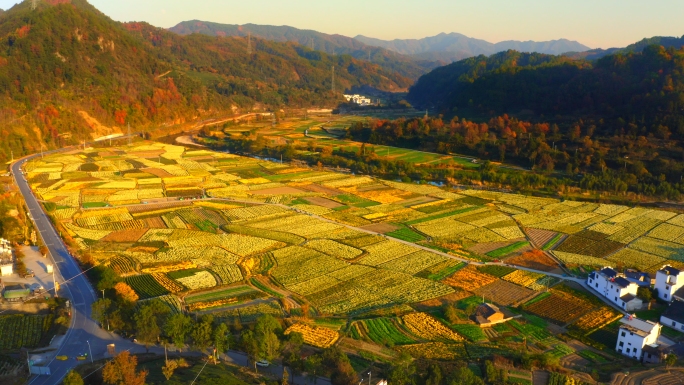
249,43
129,133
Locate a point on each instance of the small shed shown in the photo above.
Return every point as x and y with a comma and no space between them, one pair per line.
488,313
6,270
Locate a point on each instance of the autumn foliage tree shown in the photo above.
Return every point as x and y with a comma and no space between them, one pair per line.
122,371
125,292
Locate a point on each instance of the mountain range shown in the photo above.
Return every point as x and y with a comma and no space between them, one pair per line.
426,53
455,46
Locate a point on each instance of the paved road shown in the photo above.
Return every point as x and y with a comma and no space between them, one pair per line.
77,288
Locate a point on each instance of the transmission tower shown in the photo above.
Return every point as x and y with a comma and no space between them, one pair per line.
312,44
34,5
333,79
249,43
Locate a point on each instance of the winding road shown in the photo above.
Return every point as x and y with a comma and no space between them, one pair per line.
84,335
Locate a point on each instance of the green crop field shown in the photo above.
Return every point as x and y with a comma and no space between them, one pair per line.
384,330
146,286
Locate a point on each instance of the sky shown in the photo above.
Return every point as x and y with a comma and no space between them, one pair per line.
594,23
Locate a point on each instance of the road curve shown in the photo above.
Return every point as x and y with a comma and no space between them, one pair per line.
83,330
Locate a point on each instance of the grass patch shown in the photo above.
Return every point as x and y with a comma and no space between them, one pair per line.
593,357
442,215
508,249
447,271
406,234
92,205
216,295
552,242
651,315
471,332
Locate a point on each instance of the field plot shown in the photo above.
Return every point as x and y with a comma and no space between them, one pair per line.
146,286
469,278
535,259
181,246
383,331
540,237
560,307
503,293
436,351
428,328
22,331
596,319
314,335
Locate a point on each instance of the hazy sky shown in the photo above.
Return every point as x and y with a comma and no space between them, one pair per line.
595,23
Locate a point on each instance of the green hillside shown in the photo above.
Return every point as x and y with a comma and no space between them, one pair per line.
68,72
404,65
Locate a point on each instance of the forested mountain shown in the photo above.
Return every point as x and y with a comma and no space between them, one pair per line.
341,45
646,88
639,46
68,72
455,46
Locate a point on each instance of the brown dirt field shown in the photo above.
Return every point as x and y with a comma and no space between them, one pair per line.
322,189
441,301
155,223
277,191
157,172
381,228
504,293
540,237
484,248
324,202
56,199
469,278
534,260
125,236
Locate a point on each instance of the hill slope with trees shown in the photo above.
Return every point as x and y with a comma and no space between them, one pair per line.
405,66
68,73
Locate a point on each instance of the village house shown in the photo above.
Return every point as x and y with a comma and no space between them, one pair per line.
358,99
616,288
639,277
668,281
635,335
488,313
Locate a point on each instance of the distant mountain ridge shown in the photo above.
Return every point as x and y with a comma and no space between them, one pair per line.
331,44
665,41
456,46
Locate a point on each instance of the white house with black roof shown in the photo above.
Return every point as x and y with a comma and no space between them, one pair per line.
668,281
616,288
639,277
635,336
674,314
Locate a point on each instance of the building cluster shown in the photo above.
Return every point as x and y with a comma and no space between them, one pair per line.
638,338
6,259
358,99
616,287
